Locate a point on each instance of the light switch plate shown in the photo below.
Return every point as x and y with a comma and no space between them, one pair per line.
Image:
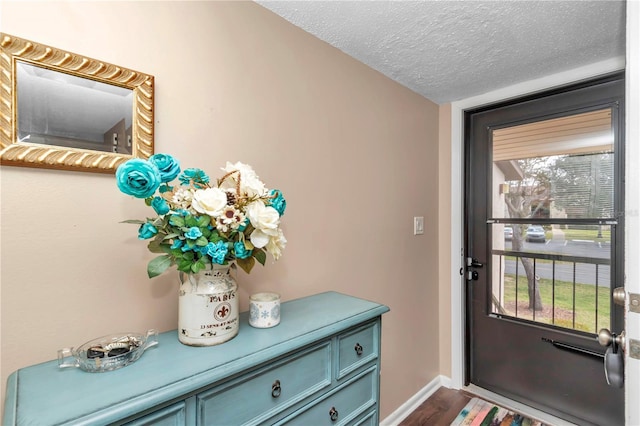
418,225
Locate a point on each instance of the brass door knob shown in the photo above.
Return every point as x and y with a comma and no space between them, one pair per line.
607,338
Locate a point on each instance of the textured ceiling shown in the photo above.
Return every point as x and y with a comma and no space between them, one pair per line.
451,50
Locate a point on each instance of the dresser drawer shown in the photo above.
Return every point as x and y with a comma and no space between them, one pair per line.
173,415
367,419
344,406
263,393
356,348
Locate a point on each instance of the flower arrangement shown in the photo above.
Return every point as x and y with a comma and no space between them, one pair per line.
235,219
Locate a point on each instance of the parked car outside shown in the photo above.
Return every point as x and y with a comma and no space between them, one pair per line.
508,233
535,233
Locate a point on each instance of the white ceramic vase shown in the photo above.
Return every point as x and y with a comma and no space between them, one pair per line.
208,307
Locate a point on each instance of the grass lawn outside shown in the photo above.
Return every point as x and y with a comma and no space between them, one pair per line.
558,306
587,234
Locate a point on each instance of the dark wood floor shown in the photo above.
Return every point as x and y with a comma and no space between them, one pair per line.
440,409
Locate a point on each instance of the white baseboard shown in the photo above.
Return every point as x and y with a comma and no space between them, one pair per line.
414,402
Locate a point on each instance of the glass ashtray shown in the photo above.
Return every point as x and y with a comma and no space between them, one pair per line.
107,353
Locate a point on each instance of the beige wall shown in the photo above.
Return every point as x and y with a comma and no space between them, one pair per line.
355,154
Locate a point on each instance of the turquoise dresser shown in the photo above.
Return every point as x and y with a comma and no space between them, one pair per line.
319,366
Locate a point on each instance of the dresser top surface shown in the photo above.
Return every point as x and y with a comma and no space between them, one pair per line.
171,369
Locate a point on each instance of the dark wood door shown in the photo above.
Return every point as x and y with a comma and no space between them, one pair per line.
544,243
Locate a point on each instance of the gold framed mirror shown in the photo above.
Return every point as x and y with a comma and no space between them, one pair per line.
65,111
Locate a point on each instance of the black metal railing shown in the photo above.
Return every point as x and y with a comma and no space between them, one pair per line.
555,268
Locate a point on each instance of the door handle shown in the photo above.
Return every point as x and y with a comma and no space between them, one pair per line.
472,262
607,338
614,357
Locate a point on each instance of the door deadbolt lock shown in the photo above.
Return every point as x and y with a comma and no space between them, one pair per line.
473,263
619,296
472,275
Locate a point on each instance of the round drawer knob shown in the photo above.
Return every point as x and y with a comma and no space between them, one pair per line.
333,414
276,390
358,349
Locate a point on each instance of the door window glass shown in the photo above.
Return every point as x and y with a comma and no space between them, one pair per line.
553,217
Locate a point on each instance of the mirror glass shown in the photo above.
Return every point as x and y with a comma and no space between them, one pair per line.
66,111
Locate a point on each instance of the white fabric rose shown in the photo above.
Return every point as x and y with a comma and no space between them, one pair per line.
258,238
276,245
263,218
211,201
250,184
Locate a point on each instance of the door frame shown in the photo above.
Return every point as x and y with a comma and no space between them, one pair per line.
632,271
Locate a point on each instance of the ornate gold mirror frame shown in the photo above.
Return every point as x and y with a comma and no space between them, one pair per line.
56,152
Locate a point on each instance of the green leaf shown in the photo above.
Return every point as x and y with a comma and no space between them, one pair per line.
154,246
136,221
203,221
214,237
191,221
158,265
184,266
246,264
202,241
188,255
260,255
169,236
176,220
198,266
159,247
159,221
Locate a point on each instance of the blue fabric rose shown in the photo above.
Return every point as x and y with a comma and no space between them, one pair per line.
197,176
146,231
193,233
160,205
241,250
244,225
138,177
177,244
168,166
217,251
277,201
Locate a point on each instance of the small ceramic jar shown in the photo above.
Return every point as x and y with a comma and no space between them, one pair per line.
264,310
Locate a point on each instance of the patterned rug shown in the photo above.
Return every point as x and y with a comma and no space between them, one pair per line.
482,413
